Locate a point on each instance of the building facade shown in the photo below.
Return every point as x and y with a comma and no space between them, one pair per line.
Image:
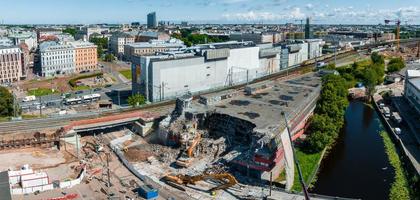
151,20
117,42
57,59
86,56
412,88
150,48
10,64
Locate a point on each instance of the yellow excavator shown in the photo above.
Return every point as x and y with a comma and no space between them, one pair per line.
186,157
227,179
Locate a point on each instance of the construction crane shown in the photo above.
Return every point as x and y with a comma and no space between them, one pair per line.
398,23
227,179
301,23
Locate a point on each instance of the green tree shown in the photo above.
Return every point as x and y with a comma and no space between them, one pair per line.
6,102
102,44
370,81
136,100
109,57
377,59
395,64
71,31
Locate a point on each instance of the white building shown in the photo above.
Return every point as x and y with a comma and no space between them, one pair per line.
29,38
412,88
117,42
56,59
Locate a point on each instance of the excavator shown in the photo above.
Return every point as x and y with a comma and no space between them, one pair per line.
186,157
226,178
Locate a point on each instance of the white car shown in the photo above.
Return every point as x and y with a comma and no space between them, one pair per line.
397,131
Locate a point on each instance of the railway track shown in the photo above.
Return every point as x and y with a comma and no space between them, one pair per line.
161,107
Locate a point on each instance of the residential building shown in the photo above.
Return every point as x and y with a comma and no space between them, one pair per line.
10,64
117,42
151,47
314,47
29,38
47,34
4,41
412,88
86,32
151,20
151,35
86,56
56,59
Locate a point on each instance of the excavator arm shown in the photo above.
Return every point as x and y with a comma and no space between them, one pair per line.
227,179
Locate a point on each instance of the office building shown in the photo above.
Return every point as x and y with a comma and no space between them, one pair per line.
56,59
29,38
10,64
308,31
86,56
151,47
258,38
151,20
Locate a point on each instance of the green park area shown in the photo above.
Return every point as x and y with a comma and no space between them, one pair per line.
126,73
41,92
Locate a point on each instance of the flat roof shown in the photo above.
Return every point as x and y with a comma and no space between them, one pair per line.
264,108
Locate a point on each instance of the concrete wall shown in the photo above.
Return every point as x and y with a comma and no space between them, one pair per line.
176,77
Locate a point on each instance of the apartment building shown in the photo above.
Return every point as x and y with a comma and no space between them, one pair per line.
10,64
117,42
86,56
56,59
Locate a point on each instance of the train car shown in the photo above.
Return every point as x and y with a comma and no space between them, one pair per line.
73,101
91,97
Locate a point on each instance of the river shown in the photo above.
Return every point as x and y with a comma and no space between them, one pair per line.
357,166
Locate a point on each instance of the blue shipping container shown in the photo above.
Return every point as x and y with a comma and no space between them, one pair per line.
147,192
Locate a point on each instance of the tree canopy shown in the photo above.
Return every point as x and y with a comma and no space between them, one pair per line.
136,100
190,38
71,31
329,113
102,44
395,64
6,102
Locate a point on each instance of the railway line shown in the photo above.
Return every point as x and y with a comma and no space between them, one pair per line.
160,107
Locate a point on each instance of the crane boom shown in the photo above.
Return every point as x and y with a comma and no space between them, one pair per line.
397,35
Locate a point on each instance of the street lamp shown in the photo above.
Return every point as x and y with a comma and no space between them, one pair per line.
305,190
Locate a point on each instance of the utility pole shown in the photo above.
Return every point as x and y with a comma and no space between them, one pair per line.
304,188
108,172
40,106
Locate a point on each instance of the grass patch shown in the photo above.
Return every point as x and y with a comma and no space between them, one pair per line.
41,92
126,73
81,87
399,188
308,163
33,116
4,119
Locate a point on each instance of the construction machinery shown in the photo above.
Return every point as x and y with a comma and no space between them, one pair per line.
187,156
227,180
397,36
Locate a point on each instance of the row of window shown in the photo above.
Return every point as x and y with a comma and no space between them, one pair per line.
8,57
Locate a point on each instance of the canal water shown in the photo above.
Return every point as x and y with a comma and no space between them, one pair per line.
357,166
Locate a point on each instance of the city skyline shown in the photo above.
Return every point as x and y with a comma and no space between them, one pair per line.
207,11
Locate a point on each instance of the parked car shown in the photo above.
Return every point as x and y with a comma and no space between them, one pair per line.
79,92
397,131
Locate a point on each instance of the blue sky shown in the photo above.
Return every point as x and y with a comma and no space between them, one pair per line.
204,11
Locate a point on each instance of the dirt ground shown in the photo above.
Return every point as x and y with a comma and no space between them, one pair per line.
37,158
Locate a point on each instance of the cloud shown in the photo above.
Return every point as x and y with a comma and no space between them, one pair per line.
309,6
294,13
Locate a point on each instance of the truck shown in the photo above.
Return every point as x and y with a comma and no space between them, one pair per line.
29,98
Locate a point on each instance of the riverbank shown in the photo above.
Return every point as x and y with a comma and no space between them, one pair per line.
309,163
399,188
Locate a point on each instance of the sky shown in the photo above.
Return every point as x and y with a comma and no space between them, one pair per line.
208,11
